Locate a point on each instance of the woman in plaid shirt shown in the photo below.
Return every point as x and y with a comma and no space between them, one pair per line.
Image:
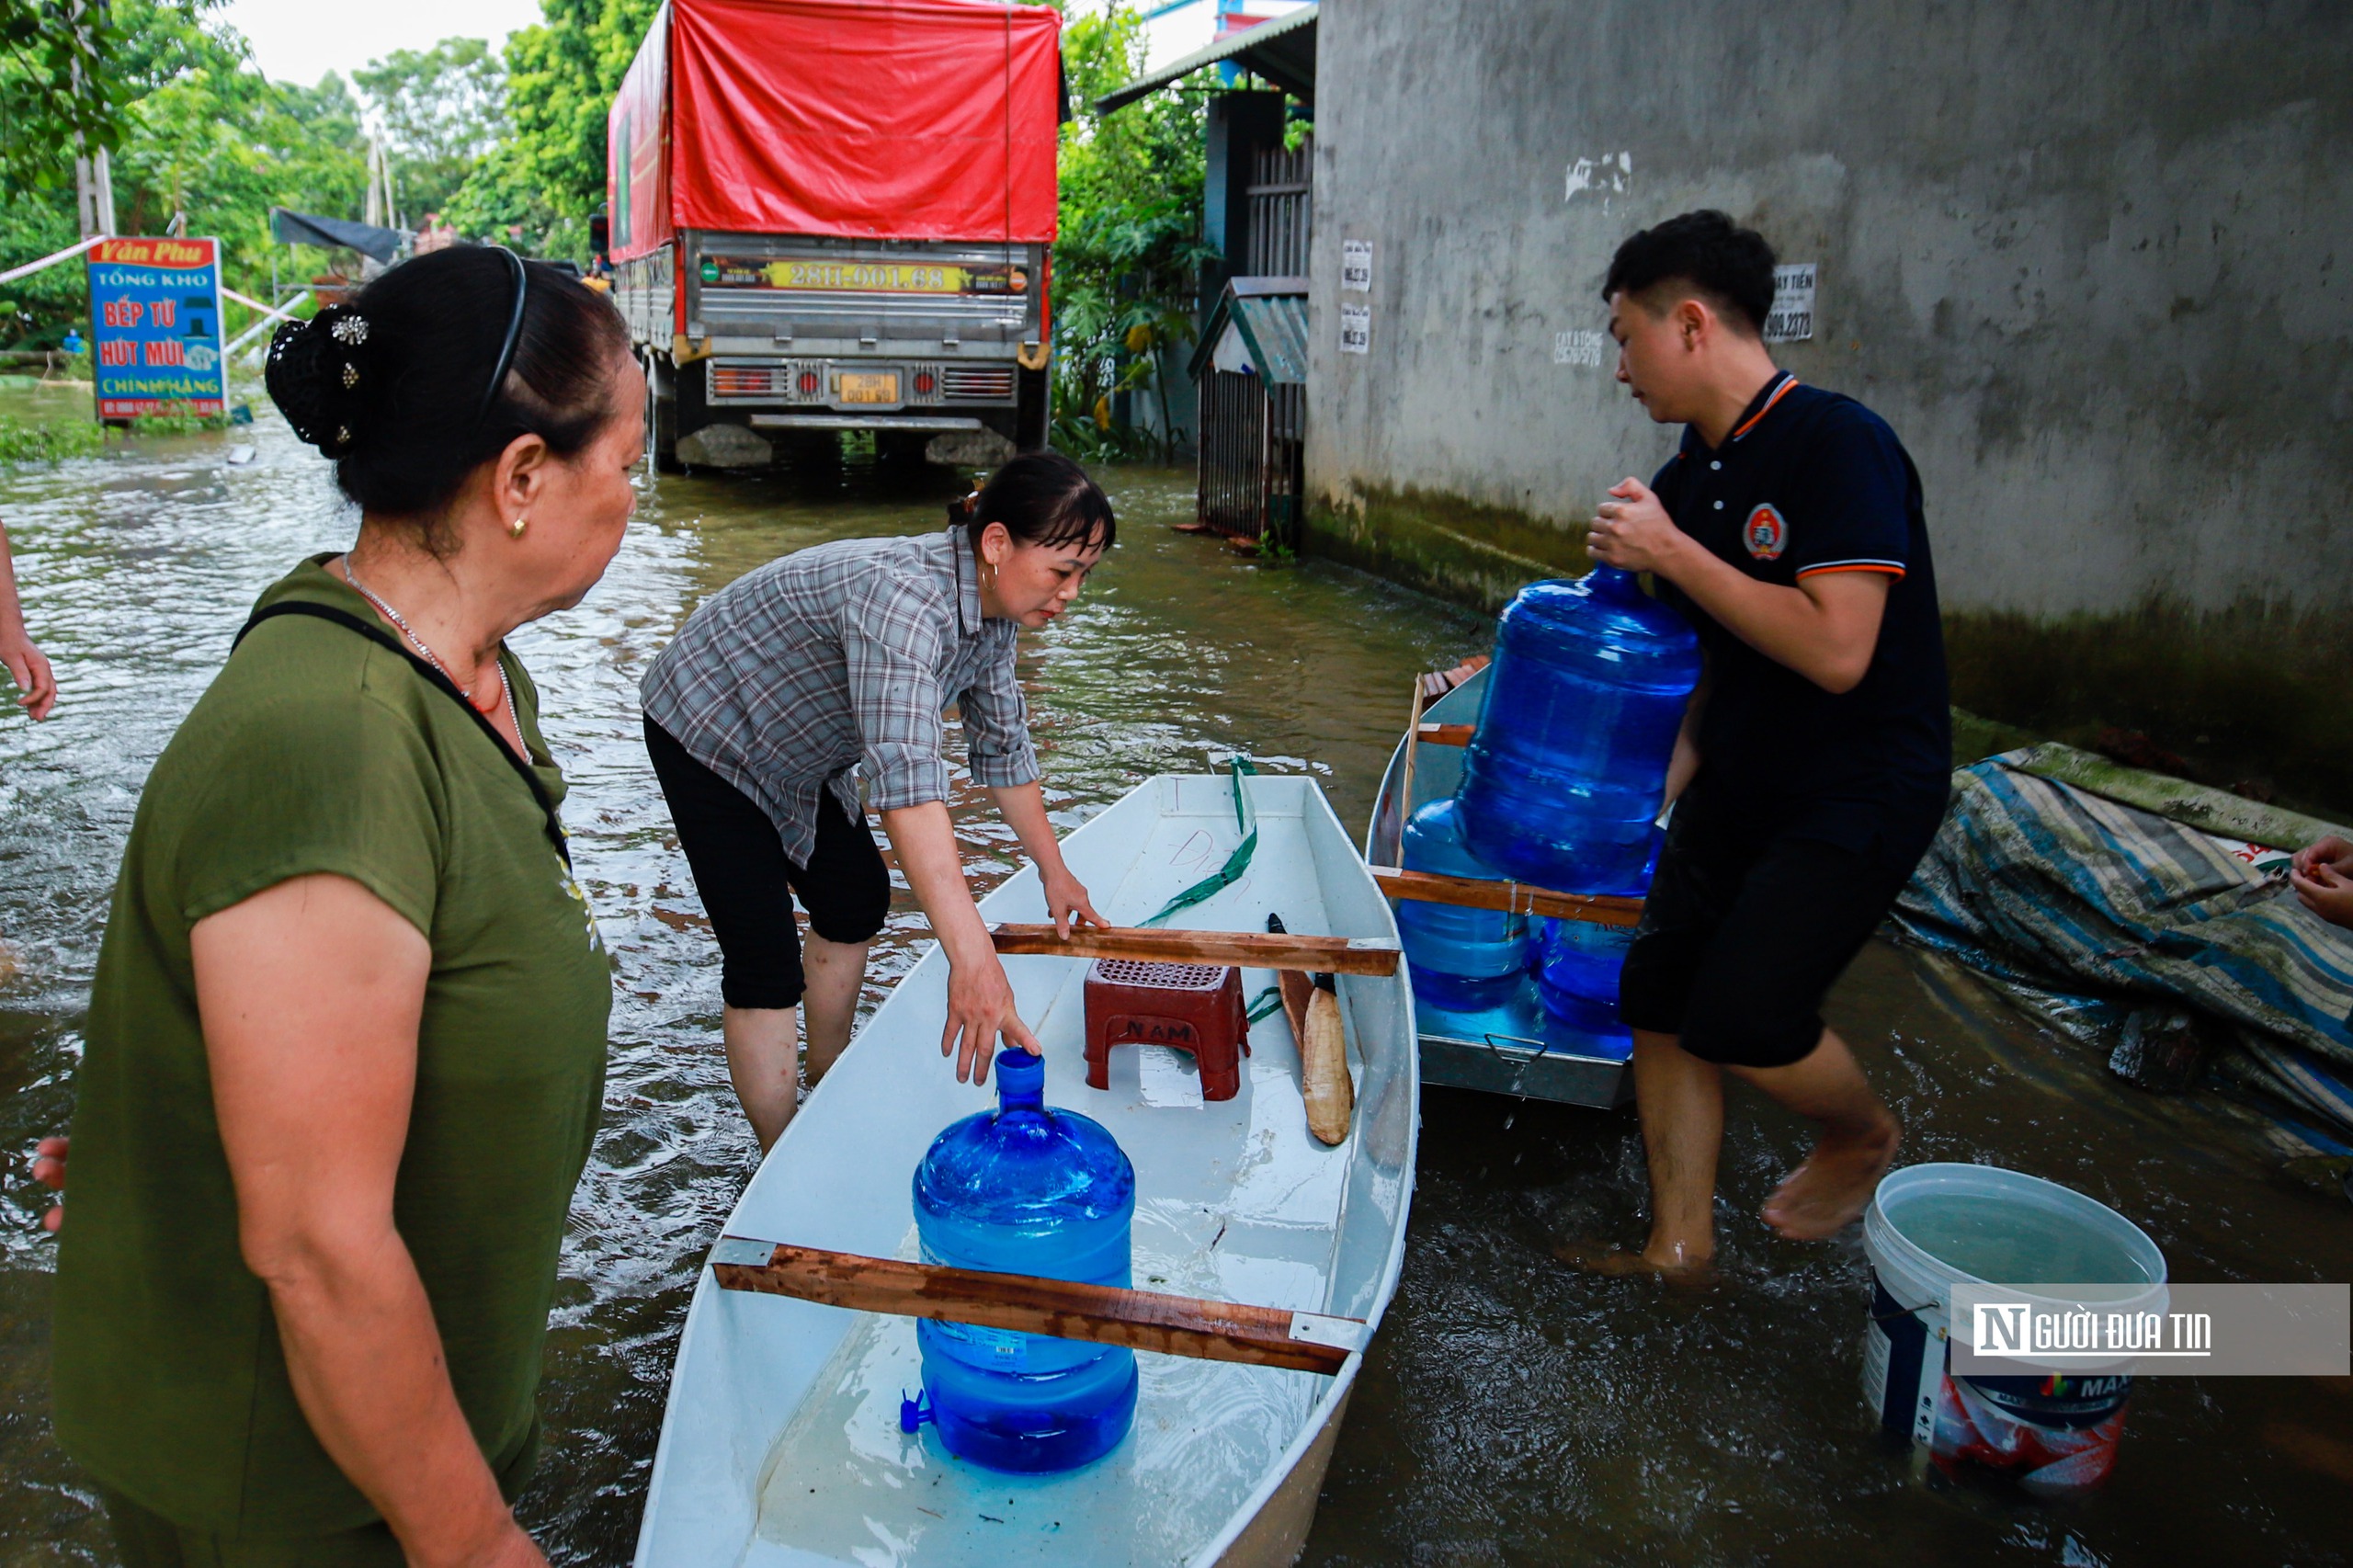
842,656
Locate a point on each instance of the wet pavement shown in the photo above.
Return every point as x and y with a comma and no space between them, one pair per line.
1513,1411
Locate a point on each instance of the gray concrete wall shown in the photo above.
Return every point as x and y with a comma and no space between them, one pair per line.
2094,262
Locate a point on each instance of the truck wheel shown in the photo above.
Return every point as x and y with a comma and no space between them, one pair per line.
661,423
1031,409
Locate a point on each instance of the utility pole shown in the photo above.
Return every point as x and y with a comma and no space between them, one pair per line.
92,177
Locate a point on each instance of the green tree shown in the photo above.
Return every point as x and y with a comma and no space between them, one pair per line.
62,83
440,109
547,173
202,134
1130,249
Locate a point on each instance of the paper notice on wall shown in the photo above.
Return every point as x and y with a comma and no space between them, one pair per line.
1355,329
1585,348
1791,318
1356,266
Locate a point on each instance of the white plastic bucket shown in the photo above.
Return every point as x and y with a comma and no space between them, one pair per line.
2057,1434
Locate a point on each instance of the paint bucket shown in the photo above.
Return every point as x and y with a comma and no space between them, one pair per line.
1930,1227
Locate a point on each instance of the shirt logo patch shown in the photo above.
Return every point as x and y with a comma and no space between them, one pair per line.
1765,534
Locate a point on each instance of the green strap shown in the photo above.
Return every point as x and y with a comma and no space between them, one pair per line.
1226,876
1268,1003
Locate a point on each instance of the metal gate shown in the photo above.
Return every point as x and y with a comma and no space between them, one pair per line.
1252,456
1281,211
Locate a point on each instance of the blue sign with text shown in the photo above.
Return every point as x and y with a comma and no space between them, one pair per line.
156,327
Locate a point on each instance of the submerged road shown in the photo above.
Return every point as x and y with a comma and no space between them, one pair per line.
1513,1411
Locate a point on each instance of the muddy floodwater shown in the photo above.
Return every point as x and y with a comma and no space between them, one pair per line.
1512,1411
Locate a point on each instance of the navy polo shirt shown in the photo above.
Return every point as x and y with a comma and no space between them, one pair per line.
1808,483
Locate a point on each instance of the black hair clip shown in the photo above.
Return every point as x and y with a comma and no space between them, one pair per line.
514,335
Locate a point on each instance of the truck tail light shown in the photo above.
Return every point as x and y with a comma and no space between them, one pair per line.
925,383
809,384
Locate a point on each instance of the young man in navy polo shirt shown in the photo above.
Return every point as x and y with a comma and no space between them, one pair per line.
1810,773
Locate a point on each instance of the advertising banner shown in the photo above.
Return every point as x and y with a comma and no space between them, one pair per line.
156,327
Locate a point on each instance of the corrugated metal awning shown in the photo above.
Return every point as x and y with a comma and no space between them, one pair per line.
1269,317
1282,51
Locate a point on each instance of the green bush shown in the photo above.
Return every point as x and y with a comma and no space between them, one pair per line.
26,441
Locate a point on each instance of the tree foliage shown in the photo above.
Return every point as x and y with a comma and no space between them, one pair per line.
200,133
439,109
61,82
1130,249
548,173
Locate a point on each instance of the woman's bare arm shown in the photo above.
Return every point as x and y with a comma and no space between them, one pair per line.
27,665
310,993
980,997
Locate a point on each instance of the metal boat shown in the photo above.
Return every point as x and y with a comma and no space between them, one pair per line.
782,1444
1507,1049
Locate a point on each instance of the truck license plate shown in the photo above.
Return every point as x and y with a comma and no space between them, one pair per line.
880,386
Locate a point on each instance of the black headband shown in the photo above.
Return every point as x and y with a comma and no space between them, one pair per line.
514,335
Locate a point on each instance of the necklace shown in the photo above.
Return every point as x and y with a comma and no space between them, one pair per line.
399,620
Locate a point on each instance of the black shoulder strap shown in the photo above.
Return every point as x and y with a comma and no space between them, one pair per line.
378,635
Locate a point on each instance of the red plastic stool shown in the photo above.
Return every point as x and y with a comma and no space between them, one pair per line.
1193,1007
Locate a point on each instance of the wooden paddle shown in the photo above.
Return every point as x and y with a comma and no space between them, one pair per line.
1099,1315
1323,1078
1518,898
1314,1009
1247,950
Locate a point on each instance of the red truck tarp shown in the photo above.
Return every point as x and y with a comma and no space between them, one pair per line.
904,119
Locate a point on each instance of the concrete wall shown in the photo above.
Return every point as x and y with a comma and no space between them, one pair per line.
2094,262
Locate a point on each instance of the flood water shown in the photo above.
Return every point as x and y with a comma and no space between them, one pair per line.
1512,1411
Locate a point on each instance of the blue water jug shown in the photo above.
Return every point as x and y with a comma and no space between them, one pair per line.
1577,964
1465,960
1581,959
1025,1189
1568,766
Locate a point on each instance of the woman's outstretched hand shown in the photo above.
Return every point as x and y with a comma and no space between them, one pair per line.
49,1169
980,1008
1067,902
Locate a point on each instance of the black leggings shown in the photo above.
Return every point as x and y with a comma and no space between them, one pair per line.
747,883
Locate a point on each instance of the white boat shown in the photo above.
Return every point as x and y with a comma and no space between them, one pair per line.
781,1445
1507,1049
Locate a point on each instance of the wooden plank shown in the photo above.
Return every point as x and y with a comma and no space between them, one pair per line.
1250,949
1447,735
1473,893
1099,1315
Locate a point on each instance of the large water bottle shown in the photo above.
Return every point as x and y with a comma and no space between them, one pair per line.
1568,766
1023,1189
1465,960
1577,964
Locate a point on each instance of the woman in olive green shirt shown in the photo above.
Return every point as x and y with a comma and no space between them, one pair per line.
347,1038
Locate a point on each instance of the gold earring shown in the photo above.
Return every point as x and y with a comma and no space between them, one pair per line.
515,529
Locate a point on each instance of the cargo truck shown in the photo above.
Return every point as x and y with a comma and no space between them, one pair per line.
830,215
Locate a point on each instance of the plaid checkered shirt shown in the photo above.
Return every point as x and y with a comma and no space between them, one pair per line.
796,675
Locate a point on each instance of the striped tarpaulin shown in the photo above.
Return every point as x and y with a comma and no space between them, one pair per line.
2091,902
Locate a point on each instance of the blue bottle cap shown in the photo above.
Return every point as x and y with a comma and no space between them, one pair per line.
1020,1078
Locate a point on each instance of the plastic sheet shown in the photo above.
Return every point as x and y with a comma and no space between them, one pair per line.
907,119
2077,902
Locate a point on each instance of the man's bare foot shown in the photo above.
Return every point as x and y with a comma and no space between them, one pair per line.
1677,1268
1830,1190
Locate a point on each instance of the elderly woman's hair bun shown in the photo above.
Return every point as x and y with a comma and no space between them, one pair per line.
401,386
319,374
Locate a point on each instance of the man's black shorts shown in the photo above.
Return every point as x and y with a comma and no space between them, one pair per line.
747,884
1743,934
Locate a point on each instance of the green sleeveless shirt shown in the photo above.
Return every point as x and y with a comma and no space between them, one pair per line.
316,750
